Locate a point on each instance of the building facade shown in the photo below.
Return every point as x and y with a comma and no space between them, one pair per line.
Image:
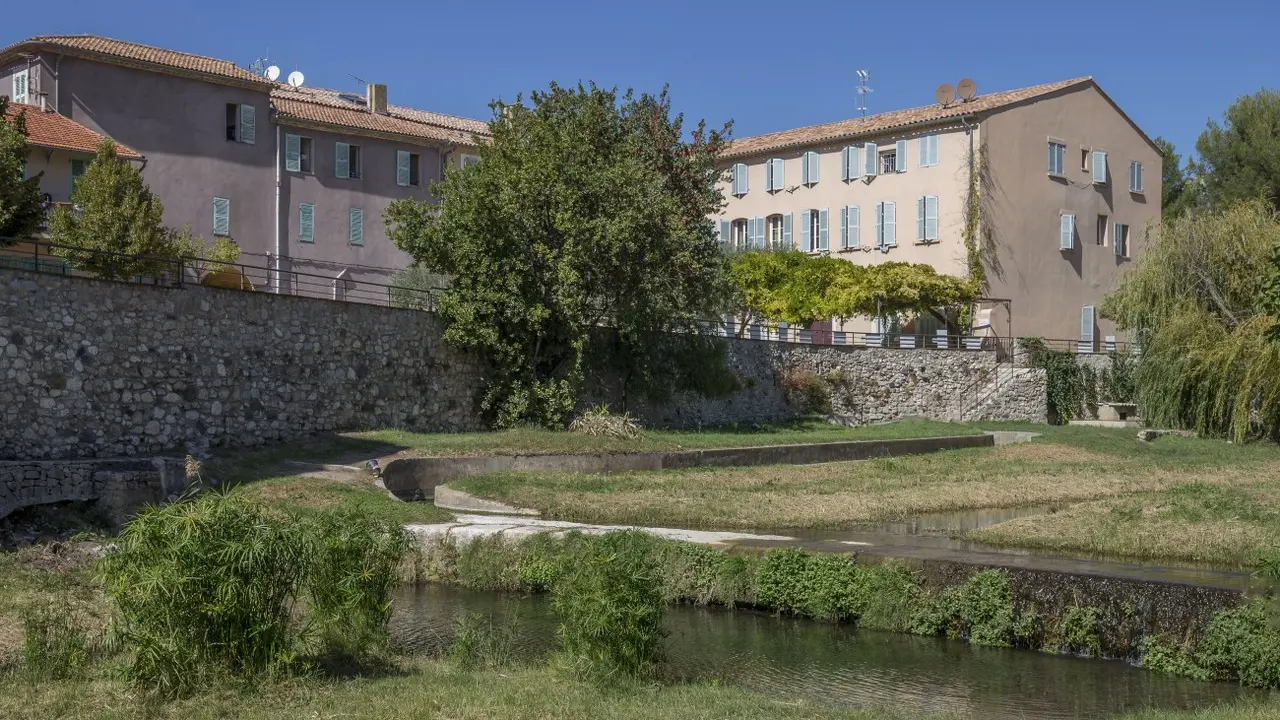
297,177
1062,201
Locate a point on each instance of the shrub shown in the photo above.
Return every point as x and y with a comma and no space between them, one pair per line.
807,393
1243,644
353,568
482,643
597,421
981,610
55,645
611,609
1080,630
211,586
1164,655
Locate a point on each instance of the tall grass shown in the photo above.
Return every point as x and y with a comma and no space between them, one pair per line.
55,645
221,586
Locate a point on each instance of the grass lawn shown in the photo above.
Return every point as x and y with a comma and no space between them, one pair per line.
536,441
358,492
1066,465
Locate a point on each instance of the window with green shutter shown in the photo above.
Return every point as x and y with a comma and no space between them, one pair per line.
402,168
306,222
356,230
221,217
248,124
293,153
342,160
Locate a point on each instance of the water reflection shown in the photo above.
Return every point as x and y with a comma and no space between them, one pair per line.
836,665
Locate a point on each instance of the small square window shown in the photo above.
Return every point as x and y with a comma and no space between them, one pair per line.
469,160
738,234
233,122
889,162
1084,160
1102,230
1057,158
414,176
353,157
775,230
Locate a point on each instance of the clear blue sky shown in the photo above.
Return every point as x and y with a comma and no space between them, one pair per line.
766,65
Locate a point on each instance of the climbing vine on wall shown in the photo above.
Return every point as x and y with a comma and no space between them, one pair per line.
971,233
1072,387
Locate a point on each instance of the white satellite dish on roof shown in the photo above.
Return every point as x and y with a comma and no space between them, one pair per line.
295,79
273,73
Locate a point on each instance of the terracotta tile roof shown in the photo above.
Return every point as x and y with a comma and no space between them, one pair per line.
135,53
873,124
348,110
51,130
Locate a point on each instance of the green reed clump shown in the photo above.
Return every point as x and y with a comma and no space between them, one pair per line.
482,642
219,586
611,607
55,646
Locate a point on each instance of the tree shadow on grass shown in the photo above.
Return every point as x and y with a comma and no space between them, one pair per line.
235,466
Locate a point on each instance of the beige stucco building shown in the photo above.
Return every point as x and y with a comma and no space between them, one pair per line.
1068,185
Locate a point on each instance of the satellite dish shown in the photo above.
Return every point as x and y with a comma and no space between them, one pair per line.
295,79
968,89
273,73
945,94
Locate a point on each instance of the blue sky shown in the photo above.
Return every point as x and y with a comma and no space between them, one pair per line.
768,66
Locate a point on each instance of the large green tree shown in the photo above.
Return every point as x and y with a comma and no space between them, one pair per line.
1177,190
586,209
114,228
1240,158
21,211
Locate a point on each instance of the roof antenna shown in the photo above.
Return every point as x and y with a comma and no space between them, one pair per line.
863,91
364,84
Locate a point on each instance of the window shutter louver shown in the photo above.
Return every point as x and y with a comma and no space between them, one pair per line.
1067,232
724,231
931,218
221,216
786,231
806,230
293,153
815,170
20,87
248,124
845,167
1099,166
855,226
822,229
342,160
872,157
922,150
920,220
306,222
1118,238
356,221
1087,322
879,235
933,149
844,226
855,162
890,223
900,161
402,168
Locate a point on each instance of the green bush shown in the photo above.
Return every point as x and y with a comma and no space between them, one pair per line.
611,608
55,645
1080,630
482,643
220,586
1164,655
354,562
1243,644
980,610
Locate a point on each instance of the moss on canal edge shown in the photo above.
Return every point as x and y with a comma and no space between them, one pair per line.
1201,632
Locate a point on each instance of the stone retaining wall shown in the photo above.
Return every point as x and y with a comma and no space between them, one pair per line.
91,368
120,486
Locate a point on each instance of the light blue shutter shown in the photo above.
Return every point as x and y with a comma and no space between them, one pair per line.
221,216
1067,232
901,161
402,168
855,162
920,220
758,240
805,169
815,172
845,171
931,217
356,236
806,225
890,223
923,150
855,226
1118,239
724,231
822,229
844,226
769,180
786,231
1141,180
742,179
1099,165
248,124
933,150
872,157
1087,323
306,222
20,87
293,153
341,160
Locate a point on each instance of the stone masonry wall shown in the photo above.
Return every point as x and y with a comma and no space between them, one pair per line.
121,487
90,368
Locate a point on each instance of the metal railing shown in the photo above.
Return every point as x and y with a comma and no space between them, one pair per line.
176,272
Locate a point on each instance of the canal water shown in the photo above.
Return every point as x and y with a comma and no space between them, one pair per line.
802,660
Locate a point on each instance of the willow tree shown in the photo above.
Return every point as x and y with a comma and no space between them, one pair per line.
1203,299
586,209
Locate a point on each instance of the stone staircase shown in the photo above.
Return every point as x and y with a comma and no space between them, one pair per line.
1011,393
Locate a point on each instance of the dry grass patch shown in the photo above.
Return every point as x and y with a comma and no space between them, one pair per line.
305,493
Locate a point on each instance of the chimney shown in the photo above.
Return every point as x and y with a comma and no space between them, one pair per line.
376,96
